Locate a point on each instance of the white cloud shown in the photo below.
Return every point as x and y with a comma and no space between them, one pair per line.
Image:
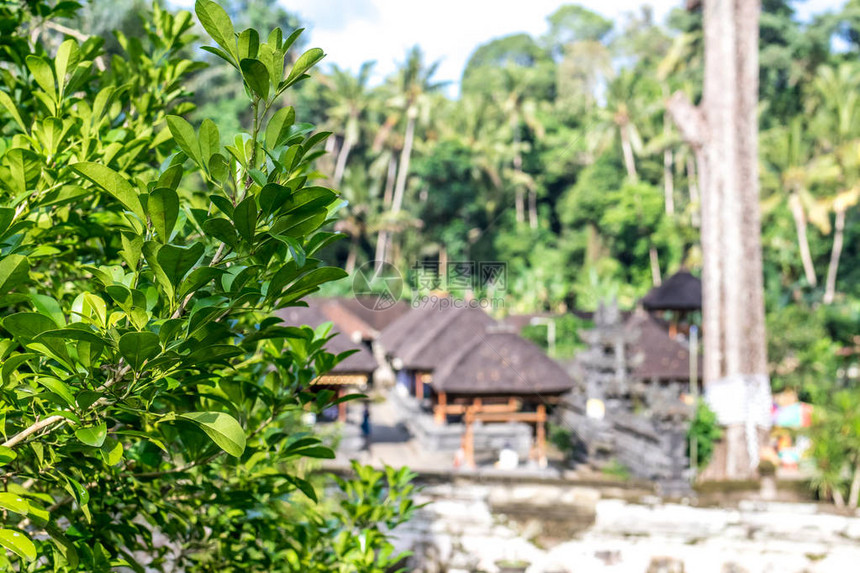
447,30
354,31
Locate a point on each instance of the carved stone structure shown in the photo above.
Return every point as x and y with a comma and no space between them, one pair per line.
627,402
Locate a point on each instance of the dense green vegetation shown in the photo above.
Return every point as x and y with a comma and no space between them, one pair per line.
156,202
150,406
558,158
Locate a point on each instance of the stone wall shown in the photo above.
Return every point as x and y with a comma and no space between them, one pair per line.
650,447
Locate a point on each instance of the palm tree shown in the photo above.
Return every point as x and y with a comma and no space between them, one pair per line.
348,99
847,197
790,170
521,110
414,84
628,103
836,118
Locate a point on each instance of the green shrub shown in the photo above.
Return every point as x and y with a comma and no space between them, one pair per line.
146,390
705,429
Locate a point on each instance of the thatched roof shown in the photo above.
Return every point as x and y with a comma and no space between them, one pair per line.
345,321
441,334
500,363
400,331
655,355
376,312
681,291
362,362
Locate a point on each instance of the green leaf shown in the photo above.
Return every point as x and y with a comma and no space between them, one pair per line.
12,110
79,334
171,177
219,168
163,207
223,204
17,542
27,325
138,347
249,43
64,545
43,74
14,271
59,388
222,428
14,502
114,183
183,134
305,486
6,455
112,452
319,276
279,126
303,64
131,248
49,307
93,436
221,229
67,57
256,76
210,140
221,54
245,218
177,261
298,225
217,24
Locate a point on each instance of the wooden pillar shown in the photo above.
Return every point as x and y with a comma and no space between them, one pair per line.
441,407
419,386
341,408
512,404
469,438
478,404
541,433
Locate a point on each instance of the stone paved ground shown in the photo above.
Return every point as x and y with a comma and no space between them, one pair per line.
459,533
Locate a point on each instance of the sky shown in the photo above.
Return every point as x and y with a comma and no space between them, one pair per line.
354,31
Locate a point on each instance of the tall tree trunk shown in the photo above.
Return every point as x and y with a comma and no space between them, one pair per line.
802,240
443,267
835,253
854,492
693,189
533,214
332,152
340,166
382,246
627,151
838,498
668,160
388,194
518,168
381,250
352,255
387,197
668,182
656,279
724,133
405,156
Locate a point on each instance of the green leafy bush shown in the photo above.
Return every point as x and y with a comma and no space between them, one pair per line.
705,429
150,405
